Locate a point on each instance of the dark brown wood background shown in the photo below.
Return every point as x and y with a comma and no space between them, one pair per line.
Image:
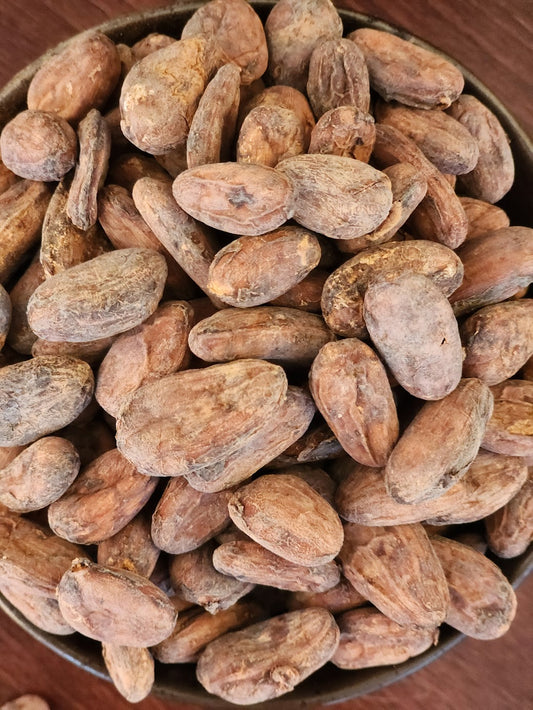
493,39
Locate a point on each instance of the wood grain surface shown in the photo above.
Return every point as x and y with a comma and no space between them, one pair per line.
492,38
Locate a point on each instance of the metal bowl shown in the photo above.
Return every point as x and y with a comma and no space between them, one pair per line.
329,684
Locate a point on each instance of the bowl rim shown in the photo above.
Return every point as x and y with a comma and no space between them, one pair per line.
12,95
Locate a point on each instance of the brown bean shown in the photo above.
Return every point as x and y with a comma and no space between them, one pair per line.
114,606
510,529
317,478
91,352
401,70
213,125
345,131
490,482
125,228
186,518
351,390
151,43
131,670
317,444
338,76
22,210
293,29
20,336
397,570
99,298
443,140
26,702
196,580
483,217
286,97
198,417
39,475
7,178
291,420
482,602
38,145
32,562
369,639
91,440
492,176
130,548
236,30
440,216
496,265
80,76
408,190
306,295
152,350
251,271
336,196
498,340
91,169
5,315
271,332
429,458
196,628
248,561
268,659
269,510
161,92
339,598
235,197
40,396
107,494
192,245
413,327
510,429
63,244
127,168
270,134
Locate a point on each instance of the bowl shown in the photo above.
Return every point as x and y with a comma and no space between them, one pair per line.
330,684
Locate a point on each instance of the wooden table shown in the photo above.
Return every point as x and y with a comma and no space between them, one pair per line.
491,38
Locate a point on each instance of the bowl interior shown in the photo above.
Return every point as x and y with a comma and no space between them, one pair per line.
329,684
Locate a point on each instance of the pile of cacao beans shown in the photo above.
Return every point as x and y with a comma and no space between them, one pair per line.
266,377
